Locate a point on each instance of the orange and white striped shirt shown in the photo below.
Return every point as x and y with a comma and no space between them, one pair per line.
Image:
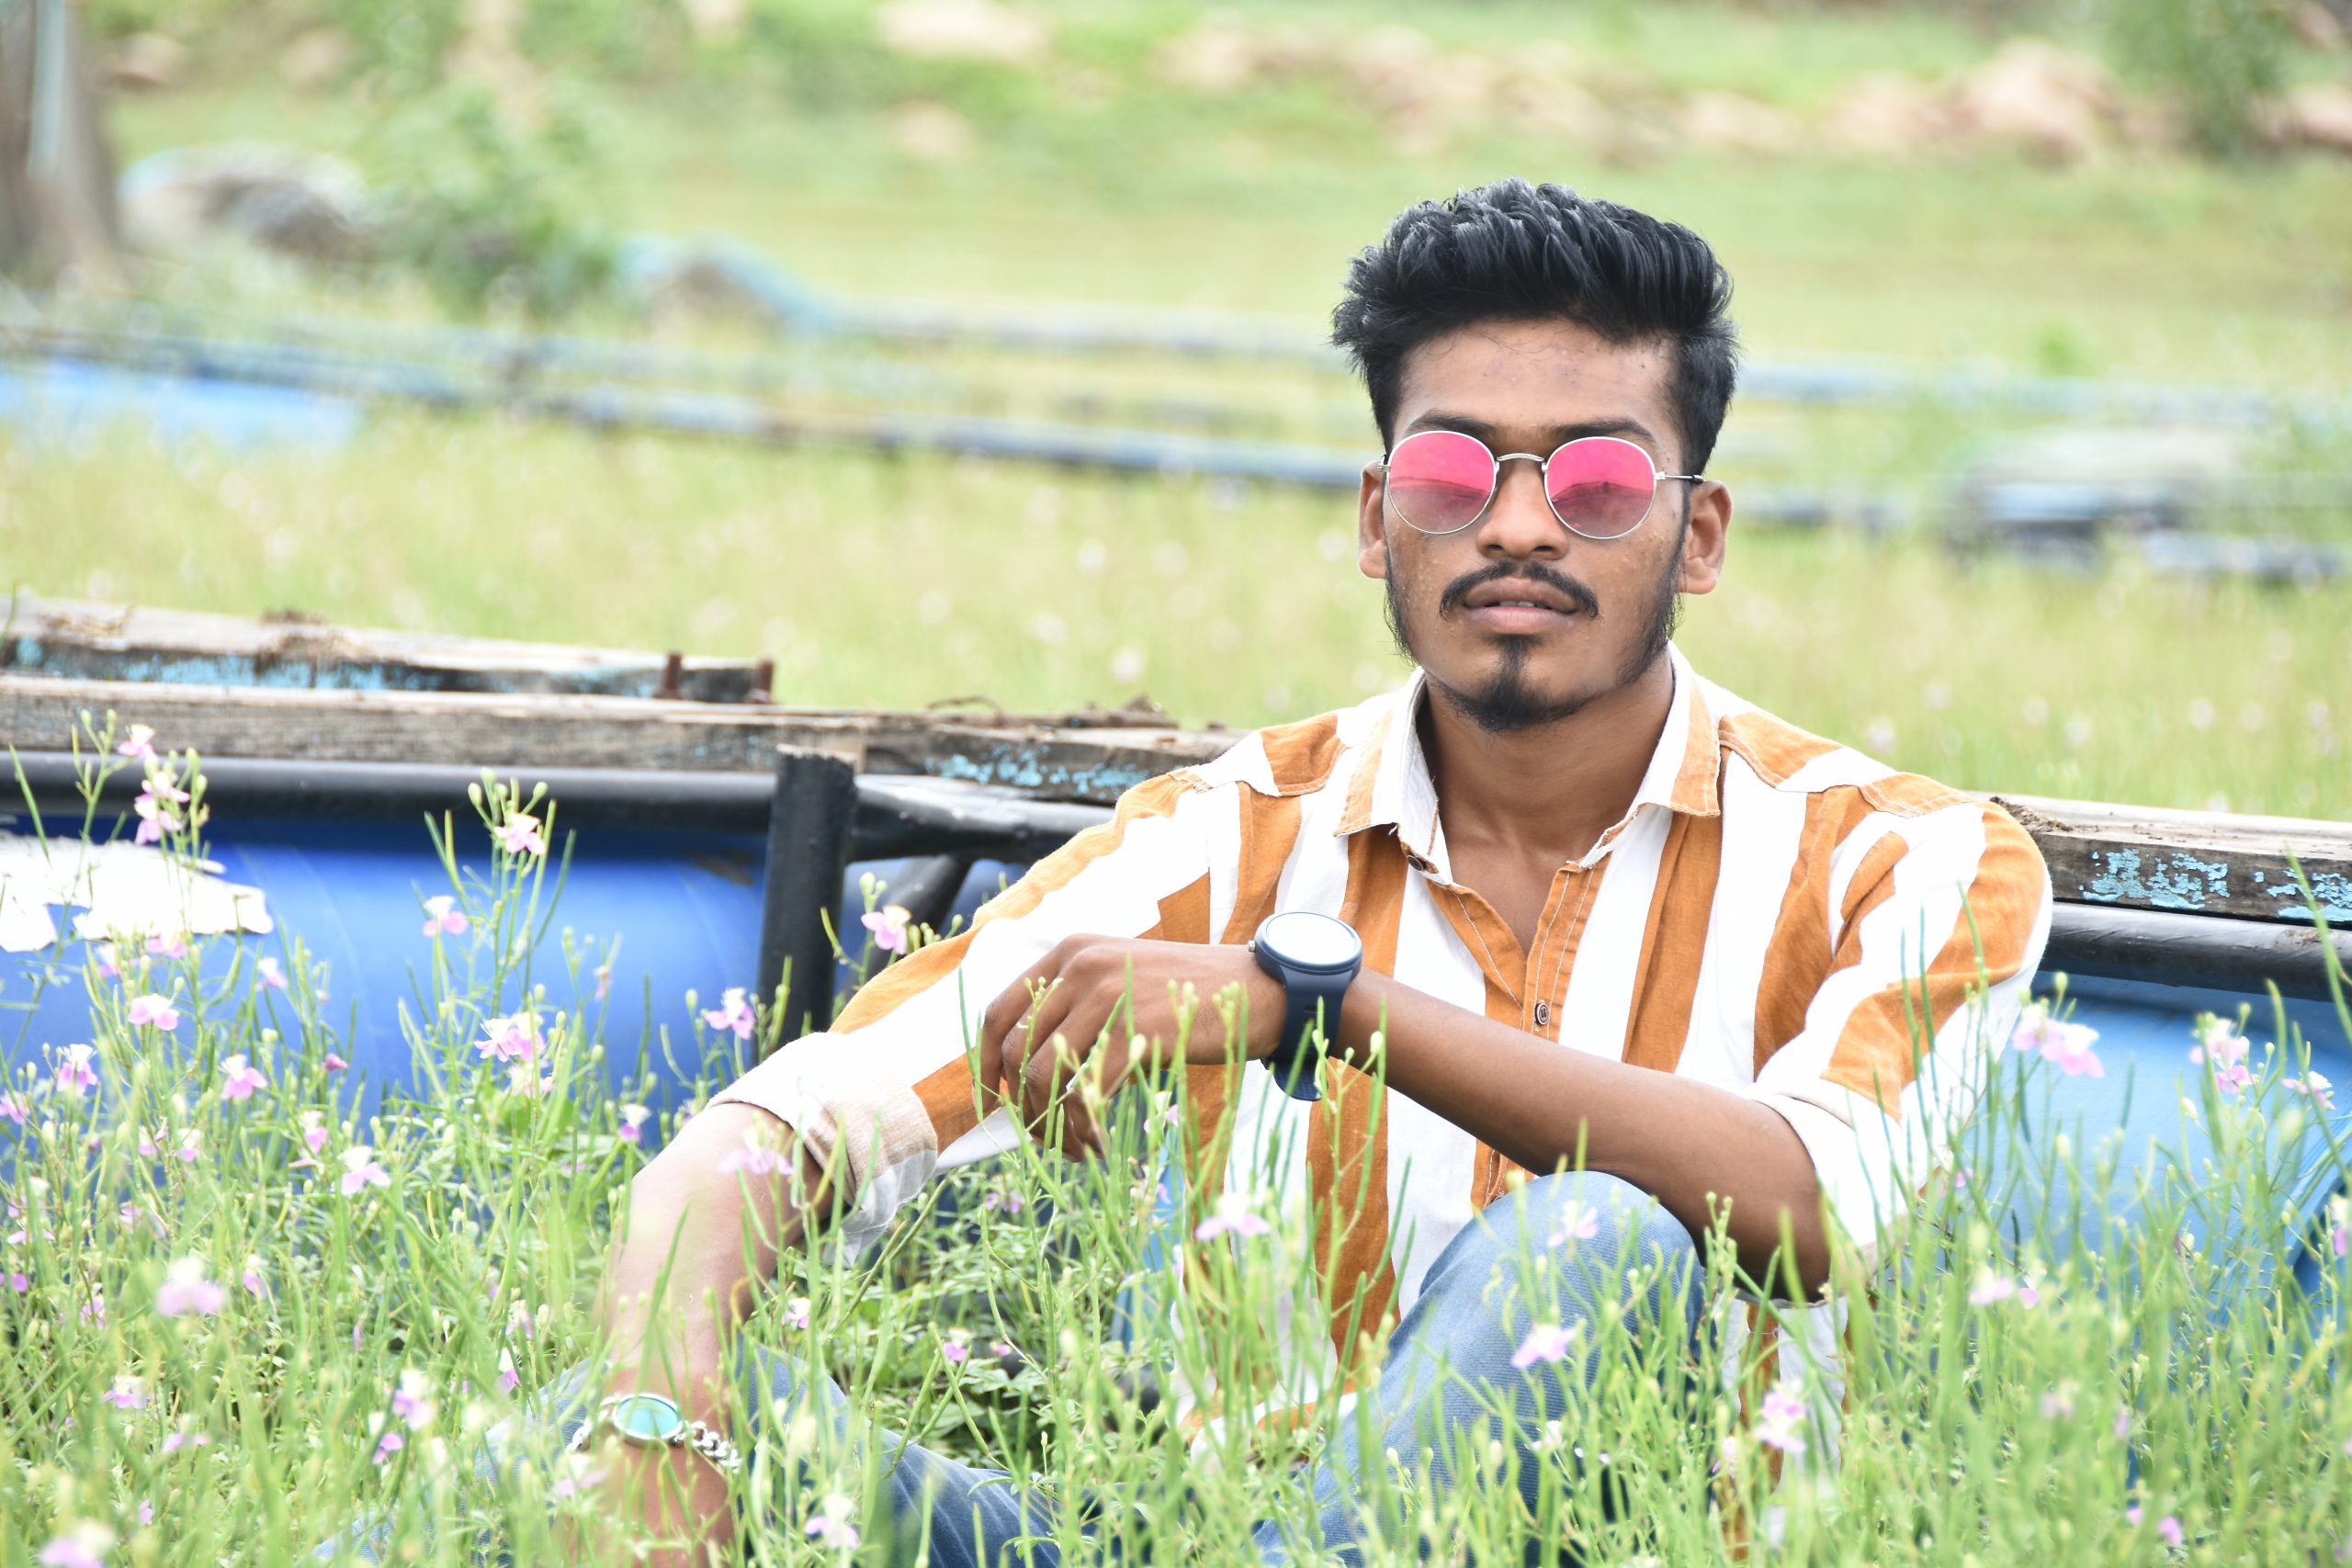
1770,916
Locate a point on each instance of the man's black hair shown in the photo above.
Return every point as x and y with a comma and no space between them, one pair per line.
1511,251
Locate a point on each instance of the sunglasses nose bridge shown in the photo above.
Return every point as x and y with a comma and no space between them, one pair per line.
1528,508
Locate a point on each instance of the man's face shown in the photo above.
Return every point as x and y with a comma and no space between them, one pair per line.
1605,605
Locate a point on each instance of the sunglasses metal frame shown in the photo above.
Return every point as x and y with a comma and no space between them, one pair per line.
1542,463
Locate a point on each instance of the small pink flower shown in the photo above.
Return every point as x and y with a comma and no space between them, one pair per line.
388,1444
834,1526
2057,1405
2123,1428
632,1127
109,969
129,1392
315,1131
441,914
191,1147
185,1290
153,807
1577,1223
333,1063
519,834
2132,1515
2065,1045
268,975
151,1009
253,1281
604,979
2222,1050
732,1015
519,1320
2314,1086
1991,1288
146,1512
753,1158
514,1038
997,1198
1546,1342
1232,1216
956,1347
238,1078
361,1170
1780,1423
185,1439
889,925
796,1313
137,741
167,944
75,1071
93,1310
509,1379
79,1545
2168,1527
13,1107
412,1399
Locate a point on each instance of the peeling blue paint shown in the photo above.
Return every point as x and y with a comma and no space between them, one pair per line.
2169,882
2332,891
1026,768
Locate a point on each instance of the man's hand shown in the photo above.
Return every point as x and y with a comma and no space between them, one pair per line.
1039,1039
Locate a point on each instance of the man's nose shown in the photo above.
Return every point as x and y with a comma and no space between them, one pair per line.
1519,522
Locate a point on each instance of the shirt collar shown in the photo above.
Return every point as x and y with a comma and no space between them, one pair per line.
1390,785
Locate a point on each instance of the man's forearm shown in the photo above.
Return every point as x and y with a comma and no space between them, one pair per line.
1687,1143
696,1243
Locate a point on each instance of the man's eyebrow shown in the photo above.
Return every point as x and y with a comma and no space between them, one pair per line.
1437,419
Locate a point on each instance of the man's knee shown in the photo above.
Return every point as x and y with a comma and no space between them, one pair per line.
1590,1213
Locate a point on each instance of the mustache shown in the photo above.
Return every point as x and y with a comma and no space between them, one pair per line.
1461,587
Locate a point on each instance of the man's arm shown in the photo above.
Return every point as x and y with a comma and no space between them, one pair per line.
1690,1145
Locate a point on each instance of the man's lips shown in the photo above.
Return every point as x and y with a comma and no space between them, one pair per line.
1518,605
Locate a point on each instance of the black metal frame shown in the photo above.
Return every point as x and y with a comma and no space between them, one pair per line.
819,815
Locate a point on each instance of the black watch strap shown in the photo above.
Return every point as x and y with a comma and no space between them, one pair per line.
1311,998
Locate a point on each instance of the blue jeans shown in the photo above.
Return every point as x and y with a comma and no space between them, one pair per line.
1444,1383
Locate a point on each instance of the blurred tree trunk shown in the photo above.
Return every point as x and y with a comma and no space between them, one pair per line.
56,172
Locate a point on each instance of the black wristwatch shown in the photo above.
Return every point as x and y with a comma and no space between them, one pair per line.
1317,958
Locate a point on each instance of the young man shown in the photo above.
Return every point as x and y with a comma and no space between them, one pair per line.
1599,910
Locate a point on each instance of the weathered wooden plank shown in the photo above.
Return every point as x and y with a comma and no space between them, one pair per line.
1071,761
85,639
2121,857
2201,863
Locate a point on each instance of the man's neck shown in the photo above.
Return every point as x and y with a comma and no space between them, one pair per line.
1550,792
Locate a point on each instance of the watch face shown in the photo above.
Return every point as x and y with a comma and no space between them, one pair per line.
1309,940
646,1418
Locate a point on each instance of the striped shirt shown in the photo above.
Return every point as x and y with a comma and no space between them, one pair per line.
1771,915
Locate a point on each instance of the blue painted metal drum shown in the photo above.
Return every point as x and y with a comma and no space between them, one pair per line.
674,911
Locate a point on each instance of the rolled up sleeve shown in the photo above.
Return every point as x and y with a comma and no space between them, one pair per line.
1938,939
890,1094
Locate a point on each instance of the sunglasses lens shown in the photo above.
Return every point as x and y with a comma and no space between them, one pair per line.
1440,480
1601,487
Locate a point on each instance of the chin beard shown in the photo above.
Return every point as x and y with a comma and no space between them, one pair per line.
1507,703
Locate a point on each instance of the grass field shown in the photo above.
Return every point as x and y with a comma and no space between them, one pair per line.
241,1315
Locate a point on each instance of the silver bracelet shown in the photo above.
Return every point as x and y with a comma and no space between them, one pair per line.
653,1420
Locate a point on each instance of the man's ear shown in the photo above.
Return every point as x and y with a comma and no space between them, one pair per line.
1703,542
1372,523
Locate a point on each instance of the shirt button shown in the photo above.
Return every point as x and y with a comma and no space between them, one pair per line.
1543,1014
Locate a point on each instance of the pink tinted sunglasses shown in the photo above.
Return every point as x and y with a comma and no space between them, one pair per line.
1440,482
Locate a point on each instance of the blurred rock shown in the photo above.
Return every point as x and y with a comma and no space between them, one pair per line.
1219,55
964,30
147,62
1888,114
2321,27
1727,122
282,199
2318,115
932,132
316,61
2059,106
715,21
716,276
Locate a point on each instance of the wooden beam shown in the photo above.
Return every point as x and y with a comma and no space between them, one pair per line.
1079,757
85,639
2199,863
2121,857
